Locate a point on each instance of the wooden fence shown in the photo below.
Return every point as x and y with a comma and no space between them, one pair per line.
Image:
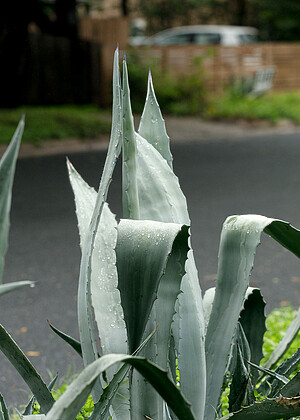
108,32
57,70
222,65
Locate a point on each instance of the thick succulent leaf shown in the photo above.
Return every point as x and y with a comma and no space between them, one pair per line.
101,408
143,250
285,369
75,396
172,359
285,343
19,414
252,319
243,342
75,344
105,295
273,374
85,319
30,405
52,383
239,240
189,334
145,399
208,300
10,287
161,199
241,392
160,196
129,184
292,387
269,409
7,171
3,408
21,363
152,125
290,365
285,234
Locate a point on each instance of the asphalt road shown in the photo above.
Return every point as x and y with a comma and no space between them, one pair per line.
255,175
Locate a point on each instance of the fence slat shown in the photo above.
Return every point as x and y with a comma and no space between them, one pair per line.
224,64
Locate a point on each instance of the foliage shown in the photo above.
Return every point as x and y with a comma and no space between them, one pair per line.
59,122
272,107
277,21
138,283
181,95
163,14
277,323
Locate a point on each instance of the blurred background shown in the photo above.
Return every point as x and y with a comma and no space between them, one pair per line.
58,52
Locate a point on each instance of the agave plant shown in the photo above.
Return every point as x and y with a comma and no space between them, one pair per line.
160,351
7,171
140,274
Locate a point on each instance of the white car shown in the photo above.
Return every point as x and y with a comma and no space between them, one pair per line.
204,35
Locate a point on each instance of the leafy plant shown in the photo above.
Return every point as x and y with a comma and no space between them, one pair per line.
181,95
151,192
138,282
272,106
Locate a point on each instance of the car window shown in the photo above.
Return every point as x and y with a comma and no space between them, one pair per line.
248,38
208,38
178,39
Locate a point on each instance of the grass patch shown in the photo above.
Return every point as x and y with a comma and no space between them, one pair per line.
88,121
55,122
272,106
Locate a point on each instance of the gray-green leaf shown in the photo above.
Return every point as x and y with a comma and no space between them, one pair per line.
9,287
239,239
21,363
152,125
269,409
7,171
72,400
85,319
142,250
252,319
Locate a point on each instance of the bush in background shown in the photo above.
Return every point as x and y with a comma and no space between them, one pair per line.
182,95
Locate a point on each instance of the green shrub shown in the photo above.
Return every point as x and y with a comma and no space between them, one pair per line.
272,106
181,95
